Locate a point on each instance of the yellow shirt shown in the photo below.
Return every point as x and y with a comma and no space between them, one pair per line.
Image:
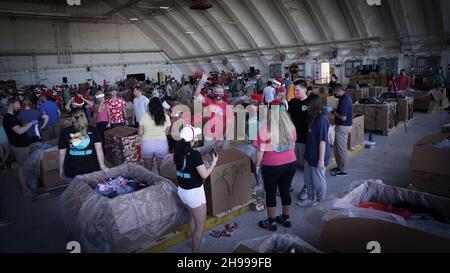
151,131
290,94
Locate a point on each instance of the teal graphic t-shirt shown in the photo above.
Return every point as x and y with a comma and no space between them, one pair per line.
81,157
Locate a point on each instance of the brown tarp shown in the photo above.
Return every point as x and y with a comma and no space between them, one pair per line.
126,223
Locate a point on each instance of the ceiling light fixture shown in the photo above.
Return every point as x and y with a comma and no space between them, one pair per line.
189,32
134,19
164,7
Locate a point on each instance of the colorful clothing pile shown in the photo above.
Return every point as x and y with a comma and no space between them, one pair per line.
112,187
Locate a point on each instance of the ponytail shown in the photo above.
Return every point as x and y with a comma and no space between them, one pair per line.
182,148
81,122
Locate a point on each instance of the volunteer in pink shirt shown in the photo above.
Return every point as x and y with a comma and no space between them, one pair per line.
276,161
403,81
102,113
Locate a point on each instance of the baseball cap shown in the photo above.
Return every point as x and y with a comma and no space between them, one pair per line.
188,133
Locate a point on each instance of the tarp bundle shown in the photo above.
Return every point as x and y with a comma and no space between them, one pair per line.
279,243
126,223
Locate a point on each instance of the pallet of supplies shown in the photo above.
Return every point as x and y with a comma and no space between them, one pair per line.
377,117
129,222
123,145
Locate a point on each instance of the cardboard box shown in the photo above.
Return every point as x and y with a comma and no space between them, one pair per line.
357,94
50,159
356,137
426,100
49,176
122,144
430,165
381,117
229,185
51,179
348,228
352,235
406,108
329,100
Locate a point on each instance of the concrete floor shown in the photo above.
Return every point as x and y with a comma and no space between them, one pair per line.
38,226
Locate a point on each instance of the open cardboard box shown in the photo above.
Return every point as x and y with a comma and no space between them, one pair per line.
354,235
347,228
430,166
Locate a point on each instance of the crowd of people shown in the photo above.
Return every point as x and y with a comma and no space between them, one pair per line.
295,138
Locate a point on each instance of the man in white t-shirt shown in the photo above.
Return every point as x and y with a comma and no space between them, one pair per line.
140,104
268,93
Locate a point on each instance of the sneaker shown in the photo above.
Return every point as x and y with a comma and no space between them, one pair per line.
307,203
304,194
339,173
5,222
285,222
335,170
266,224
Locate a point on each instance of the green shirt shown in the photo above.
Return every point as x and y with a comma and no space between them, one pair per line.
439,80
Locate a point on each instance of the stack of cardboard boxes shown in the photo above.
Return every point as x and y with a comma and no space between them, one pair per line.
357,94
381,117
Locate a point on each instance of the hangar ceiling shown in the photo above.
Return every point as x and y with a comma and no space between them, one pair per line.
260,32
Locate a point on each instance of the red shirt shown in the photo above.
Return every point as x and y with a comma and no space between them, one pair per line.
403,82
116,107
221,109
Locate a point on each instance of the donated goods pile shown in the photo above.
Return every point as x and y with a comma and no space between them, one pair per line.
122,145
129,222
112,187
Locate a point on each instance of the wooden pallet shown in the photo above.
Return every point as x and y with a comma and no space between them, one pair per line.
182,233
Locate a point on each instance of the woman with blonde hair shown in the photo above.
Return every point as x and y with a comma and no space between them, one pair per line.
276,161
80,148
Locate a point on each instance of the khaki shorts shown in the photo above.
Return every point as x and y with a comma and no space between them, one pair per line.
21,154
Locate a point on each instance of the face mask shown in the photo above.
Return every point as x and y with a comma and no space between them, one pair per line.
218,96
337,96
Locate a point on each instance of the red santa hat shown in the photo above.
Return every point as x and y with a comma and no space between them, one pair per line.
78,101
